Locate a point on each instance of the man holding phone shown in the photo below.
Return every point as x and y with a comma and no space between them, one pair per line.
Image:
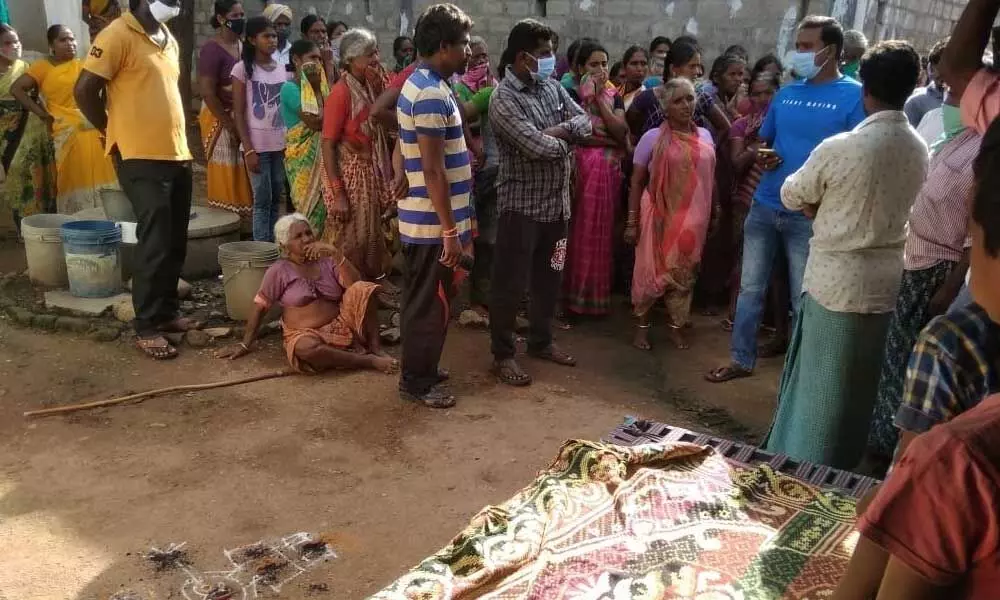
436,217
801,116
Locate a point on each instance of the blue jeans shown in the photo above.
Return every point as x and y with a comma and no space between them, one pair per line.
267,187
763,230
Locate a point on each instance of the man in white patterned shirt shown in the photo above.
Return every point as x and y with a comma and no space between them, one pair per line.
858,186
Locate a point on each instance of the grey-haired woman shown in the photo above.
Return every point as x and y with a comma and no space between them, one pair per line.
328,314
357,156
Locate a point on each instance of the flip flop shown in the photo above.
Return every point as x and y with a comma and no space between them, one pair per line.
727,373
510,373
157,348
433,398
554,354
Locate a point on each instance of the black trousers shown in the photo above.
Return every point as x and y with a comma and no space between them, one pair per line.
529,254
160,193
427,290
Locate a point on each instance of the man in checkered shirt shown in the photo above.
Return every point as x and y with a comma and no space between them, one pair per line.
535,122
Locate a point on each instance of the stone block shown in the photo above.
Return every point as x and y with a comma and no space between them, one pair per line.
644,8
197,339
44,321
124,310
91,307
615,8
557,8
490,9
73,324
519,8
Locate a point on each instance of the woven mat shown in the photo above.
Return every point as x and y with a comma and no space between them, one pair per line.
645,432
658,521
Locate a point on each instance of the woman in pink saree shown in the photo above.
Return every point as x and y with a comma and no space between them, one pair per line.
669,211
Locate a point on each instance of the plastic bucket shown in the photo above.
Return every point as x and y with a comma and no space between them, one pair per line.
43,248
243,267
93,265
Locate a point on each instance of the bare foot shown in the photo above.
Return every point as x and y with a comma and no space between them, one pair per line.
384,363
676,336
641,340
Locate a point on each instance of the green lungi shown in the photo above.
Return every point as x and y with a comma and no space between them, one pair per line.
829,386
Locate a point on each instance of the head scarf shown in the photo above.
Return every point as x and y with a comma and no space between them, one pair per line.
274,10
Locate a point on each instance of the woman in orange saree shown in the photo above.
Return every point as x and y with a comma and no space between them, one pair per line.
670,208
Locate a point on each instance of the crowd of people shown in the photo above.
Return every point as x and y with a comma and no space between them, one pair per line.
850,197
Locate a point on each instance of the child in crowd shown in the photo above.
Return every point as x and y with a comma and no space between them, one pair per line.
257,82
933,529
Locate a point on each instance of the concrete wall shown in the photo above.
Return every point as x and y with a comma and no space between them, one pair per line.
761,25
32,18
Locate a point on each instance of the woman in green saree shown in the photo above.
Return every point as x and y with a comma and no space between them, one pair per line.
27,157
302,108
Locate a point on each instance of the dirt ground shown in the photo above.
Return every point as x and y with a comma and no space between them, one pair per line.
84,497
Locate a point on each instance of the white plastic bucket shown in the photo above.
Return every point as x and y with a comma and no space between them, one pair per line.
243,267
43,249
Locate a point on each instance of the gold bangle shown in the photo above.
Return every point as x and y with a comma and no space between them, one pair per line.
249,152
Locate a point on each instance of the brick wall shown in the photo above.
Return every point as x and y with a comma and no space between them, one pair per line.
760,25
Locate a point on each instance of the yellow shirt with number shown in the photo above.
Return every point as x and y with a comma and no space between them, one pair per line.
145,110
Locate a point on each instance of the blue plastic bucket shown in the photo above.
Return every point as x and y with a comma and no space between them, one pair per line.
93,263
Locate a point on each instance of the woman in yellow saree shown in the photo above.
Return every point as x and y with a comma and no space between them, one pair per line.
302,108
228,181
27,162
83,169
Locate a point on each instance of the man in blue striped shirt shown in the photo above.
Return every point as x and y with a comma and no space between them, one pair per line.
436,218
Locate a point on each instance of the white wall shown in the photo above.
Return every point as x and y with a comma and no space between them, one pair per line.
31,18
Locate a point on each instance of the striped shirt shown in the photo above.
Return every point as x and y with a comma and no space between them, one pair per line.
954,366
939,220
427,107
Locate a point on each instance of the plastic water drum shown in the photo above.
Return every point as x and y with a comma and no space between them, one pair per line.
43,248
243,267
93,262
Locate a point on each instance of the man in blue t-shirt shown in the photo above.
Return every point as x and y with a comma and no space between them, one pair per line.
801,116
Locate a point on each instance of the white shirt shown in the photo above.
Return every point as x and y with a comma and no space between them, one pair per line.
864,182
283,57
931,126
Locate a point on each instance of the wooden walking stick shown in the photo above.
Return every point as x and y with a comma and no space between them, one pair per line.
45,412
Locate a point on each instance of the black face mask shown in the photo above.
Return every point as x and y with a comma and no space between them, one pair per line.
236,25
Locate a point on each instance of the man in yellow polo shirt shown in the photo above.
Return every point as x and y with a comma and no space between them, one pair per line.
134,65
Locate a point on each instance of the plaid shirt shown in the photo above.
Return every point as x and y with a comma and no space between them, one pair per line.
535,168
954,366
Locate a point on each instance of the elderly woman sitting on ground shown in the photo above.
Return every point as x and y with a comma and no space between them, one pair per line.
329,314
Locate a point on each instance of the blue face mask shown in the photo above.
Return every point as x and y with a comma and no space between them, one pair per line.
804,64
546,66
653,81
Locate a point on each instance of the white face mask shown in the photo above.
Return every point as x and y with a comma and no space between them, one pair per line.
162,12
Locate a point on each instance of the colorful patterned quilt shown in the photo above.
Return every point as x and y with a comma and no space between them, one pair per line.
655,521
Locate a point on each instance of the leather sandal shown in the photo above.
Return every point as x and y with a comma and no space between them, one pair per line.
157,348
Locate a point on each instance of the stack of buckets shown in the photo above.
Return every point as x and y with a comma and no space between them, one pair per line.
93,261
243,267
84,255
